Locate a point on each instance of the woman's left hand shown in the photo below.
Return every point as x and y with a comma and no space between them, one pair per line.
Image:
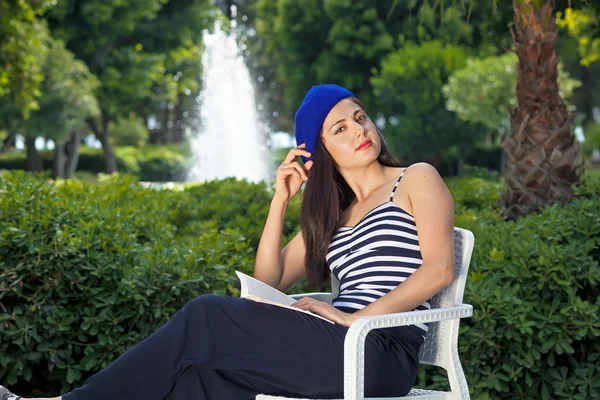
326,310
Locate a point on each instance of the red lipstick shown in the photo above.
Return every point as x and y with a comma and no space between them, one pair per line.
364,145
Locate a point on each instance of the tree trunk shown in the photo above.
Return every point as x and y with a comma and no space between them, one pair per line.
34,162
58,170
178,131
8,143
73,152
167,125
542,154
110,161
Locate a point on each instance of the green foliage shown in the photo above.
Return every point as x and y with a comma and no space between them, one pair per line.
149,163
343,42
12,118
162,163
477,190
98,269
127,77
67,95
71,275
484,90
228,203
448,24
335,41
592,139
584,26
534,285
408,89
139,50
23,44
130,131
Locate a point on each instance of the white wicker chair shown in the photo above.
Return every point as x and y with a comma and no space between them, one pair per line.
441,344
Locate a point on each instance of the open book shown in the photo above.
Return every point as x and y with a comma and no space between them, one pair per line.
253,289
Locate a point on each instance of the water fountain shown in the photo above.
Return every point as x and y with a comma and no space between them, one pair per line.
229,141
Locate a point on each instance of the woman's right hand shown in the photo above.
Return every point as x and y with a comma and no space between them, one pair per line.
290,174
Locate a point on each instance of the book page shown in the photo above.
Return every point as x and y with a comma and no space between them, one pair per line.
253,289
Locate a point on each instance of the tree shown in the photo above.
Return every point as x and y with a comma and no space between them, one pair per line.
409,92
320,41
22,46
11,120
542,153
126,45
175,33
129,131
484,91
584,26
342,41
67,100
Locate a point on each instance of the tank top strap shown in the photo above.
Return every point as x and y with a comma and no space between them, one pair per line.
396,185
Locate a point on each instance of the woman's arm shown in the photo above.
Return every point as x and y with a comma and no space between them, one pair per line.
279,268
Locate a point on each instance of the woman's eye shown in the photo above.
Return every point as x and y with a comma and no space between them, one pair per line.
338,131
362,116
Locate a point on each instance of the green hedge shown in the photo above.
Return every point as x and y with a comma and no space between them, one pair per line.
88,270
82,265
149,163
534,285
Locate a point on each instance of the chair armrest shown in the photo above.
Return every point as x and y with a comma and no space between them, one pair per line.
320,296
354,343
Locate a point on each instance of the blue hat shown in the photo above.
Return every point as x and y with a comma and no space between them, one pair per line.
310,116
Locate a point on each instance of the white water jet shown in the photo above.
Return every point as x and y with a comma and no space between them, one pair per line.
230,141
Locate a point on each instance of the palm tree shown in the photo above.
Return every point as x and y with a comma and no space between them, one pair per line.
542,154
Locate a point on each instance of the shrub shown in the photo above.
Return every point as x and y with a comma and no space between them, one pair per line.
232,203
150,163
592,139
535,331
128,131
89,270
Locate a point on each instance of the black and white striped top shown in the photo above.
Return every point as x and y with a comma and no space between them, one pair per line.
374,256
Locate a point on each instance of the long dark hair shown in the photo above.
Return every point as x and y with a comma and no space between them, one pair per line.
326,195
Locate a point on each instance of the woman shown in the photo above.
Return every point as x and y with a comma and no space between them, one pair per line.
386,233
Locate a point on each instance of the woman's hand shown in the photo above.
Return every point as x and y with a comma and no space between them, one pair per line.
291,175
326,310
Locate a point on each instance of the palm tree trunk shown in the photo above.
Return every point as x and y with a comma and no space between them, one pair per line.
542,153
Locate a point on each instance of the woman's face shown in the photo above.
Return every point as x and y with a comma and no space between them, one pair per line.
345,128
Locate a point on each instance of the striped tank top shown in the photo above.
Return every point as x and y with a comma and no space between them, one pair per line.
374,256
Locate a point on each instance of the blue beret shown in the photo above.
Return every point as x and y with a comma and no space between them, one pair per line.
310,116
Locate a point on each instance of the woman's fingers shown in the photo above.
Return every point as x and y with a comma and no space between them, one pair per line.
295,165
295,152
306,300
300,170
292,171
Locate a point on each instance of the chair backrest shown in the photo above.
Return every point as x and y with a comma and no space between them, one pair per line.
440,334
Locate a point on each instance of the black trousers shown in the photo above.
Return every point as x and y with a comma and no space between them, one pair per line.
227,348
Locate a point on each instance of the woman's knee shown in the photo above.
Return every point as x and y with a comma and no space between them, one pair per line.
205,303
